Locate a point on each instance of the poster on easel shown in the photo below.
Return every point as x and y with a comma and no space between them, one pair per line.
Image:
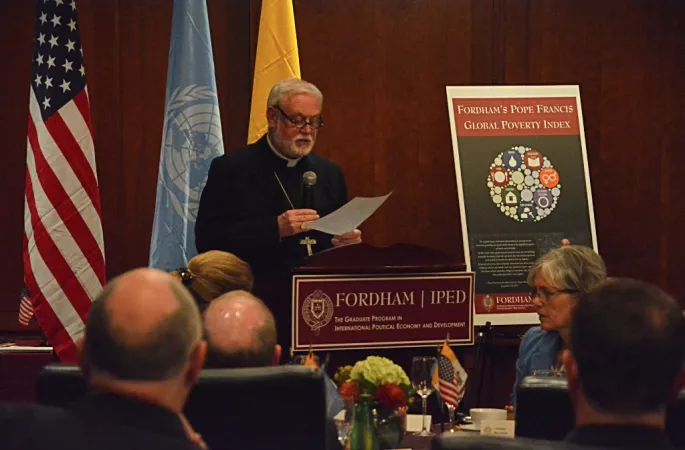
524,185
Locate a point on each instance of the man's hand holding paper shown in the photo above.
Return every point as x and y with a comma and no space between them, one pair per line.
353,237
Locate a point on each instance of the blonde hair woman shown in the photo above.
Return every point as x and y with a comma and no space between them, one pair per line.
214,273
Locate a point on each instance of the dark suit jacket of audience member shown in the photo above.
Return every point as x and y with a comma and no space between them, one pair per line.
620,437
101,421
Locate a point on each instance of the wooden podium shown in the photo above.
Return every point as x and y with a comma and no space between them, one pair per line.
496,375
366,260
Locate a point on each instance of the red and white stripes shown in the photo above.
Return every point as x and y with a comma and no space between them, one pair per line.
64,260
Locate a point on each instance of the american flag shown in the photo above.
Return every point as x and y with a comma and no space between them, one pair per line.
25,308
450,377
64,264
447,381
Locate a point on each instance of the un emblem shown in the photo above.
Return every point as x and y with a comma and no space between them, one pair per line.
317,310
192,139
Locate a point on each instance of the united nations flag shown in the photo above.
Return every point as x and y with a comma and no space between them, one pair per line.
191,137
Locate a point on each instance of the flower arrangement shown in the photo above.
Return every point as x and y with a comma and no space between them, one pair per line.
381,391
376,379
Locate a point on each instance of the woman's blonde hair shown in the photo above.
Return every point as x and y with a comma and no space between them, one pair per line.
214,273
571,267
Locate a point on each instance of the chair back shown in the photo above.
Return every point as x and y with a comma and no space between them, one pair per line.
543,408
258,408
60,384
675,419
467,441
268,407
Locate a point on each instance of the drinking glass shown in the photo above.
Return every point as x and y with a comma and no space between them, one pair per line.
344,420
422,380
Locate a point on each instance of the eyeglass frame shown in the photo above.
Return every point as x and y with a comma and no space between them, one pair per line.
306,122
551,295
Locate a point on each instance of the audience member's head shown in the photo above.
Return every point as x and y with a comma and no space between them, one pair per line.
214,273
559,278
241,332
627,348
144,339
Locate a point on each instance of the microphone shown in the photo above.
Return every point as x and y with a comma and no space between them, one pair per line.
308,182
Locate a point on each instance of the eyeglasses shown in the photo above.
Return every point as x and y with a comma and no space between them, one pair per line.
546,295
314,123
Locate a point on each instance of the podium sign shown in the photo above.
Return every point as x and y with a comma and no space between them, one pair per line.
360,312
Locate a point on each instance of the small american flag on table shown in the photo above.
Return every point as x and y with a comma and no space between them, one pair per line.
449,377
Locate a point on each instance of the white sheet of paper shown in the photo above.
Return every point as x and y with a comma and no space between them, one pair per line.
414,422
498,428
348,217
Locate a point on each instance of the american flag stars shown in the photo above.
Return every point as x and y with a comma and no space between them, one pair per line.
58,56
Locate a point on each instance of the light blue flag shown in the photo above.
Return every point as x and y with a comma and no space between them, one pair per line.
334,402
191,137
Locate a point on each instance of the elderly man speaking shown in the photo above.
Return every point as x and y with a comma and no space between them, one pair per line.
258,199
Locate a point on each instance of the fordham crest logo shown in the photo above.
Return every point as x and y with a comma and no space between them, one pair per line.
317,310
488,303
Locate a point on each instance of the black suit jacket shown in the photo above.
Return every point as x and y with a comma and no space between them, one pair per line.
242,200
619,437
101,421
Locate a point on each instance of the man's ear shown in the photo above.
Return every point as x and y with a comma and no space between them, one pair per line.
271,116
197,362
278,351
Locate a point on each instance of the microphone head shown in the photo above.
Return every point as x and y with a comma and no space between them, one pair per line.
309,178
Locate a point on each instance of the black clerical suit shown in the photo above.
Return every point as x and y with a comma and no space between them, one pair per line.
101,421
239,211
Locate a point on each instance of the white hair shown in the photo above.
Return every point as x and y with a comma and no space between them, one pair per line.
291,86
571,267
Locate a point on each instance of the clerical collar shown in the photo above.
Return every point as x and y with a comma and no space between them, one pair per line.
290,162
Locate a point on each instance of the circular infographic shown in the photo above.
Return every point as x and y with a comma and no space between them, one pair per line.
523,184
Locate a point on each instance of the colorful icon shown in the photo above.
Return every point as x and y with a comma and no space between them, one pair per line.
499,176
549,177
511,159
526,212
532,159
511,196
543,198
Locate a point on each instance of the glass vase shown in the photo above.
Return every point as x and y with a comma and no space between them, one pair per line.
364,435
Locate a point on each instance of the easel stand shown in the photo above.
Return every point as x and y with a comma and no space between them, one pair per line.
483,338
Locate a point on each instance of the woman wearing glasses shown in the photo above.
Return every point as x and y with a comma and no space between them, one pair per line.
557,279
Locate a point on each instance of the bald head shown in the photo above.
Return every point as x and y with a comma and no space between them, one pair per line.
143,326
240,331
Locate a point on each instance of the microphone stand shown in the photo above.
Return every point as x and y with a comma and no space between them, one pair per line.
483,336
